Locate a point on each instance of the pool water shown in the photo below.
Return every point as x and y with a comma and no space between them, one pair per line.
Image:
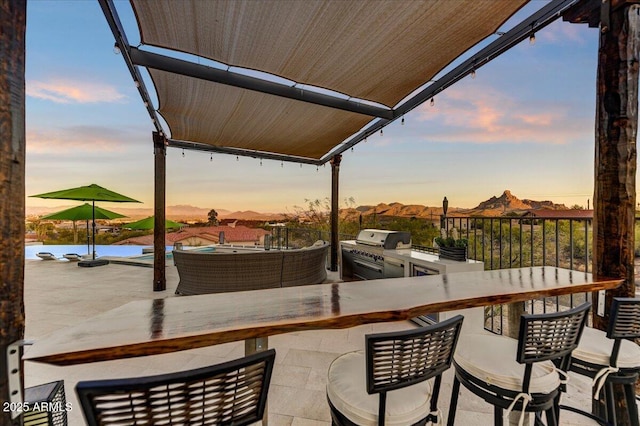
170,255
101,250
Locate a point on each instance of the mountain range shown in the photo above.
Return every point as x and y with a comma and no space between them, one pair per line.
494,206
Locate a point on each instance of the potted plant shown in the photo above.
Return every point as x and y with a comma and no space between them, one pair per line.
451,246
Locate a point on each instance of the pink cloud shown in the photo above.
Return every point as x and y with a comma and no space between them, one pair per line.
485,115
73,91
74,139
562,31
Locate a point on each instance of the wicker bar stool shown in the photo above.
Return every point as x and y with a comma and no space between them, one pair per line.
520,375
397,367
610,358
234,392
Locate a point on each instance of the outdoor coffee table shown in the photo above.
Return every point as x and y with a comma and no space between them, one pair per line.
158,326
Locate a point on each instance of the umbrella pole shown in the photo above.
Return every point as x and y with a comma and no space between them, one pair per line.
93,228
88,242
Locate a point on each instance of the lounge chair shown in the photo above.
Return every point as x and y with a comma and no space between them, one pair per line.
45,255
72,257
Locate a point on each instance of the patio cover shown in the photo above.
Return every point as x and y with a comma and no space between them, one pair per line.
373,53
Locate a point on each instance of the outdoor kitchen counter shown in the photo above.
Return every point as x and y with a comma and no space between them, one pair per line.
158,326
432,261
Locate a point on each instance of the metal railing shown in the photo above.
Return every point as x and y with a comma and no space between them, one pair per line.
502,242
516,242
284,238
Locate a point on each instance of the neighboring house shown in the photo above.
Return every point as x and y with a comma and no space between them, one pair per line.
559,214
240,235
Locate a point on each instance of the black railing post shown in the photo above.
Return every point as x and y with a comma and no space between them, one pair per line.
557,244
544,242
500,243
571,253
532,235
483,242
586,245
521,254
510,242
491,244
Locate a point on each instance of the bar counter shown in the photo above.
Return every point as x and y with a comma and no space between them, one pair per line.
172,324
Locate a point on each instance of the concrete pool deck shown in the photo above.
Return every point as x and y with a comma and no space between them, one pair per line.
59,294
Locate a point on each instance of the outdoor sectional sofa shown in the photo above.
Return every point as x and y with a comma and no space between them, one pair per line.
202,273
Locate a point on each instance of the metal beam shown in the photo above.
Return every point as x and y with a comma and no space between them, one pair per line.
159,212
109,11
230,78
335,211
173,143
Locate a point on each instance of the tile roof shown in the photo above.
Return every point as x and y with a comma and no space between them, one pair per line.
561,214
210,233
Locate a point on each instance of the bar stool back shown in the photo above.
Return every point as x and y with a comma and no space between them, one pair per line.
527,382
612,357
397,367
234,392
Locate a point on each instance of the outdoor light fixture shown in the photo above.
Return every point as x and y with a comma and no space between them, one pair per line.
473,73
381,134
136,82
433,102
116,48
532,36
402,121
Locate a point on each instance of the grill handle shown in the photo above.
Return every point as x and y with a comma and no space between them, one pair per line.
368,266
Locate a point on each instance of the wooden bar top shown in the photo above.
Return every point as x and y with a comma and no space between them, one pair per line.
172,324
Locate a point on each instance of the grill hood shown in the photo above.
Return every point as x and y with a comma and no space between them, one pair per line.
385,239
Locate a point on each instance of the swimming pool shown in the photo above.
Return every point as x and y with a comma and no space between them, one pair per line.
101,250
148,256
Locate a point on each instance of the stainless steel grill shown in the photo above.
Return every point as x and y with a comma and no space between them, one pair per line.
363,258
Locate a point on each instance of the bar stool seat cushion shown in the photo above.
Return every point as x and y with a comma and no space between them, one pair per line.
595,348
347,392
492,358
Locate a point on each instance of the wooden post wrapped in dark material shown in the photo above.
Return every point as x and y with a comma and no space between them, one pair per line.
12,178
615,160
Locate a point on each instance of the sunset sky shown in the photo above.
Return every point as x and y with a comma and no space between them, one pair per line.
524,123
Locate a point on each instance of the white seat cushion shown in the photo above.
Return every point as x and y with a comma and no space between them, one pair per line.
492,359
347,391
595,348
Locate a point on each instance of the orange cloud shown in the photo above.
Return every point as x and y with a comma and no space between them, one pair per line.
73,91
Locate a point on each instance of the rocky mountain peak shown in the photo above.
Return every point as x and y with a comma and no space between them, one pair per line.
508,202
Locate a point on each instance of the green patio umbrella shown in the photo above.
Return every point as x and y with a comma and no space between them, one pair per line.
83,212
148,223
91,193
